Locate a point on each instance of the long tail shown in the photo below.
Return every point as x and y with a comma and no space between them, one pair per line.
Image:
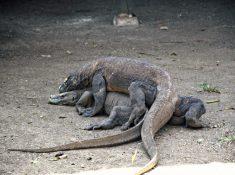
108,141
158,115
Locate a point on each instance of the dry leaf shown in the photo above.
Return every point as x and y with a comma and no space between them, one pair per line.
133,158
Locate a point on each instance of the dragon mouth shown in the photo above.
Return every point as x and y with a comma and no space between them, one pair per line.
66,98
55,99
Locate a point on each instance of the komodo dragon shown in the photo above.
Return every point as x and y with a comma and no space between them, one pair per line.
138,79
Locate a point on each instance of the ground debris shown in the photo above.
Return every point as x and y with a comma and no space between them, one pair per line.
163,28
173,54
62,117
227,108
213,101
34,161
208,88
227,139
59,156
199,141
89,158
133,158
46,56
68,52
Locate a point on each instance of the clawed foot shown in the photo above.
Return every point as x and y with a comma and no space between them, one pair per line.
193,123
86,112
136,121
125,126
92,127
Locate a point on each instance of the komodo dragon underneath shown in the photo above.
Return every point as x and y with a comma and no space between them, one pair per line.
138,79
188,110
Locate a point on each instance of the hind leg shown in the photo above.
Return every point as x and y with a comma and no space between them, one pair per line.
118,116
187,112
137,97
192,116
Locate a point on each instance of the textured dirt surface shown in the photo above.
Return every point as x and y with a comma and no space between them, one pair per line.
41,42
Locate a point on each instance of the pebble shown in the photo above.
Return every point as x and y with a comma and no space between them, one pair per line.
163,28
63,156
200,140
89,158
59,154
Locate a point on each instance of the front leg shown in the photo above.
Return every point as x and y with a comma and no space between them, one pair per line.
137,97
84,102
99,95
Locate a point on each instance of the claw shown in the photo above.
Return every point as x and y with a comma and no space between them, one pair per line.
136,121
88,112
92,127
125,127
88,128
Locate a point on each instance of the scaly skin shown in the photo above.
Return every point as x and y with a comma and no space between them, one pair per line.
119,73
187,112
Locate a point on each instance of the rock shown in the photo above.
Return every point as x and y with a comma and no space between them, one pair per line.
173,54
68,52
89,158
63,156
46,56
200,140
59,154
163,28
124,19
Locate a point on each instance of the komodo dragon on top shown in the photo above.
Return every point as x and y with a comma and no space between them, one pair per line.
147,86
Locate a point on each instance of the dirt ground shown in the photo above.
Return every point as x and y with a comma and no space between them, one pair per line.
41,42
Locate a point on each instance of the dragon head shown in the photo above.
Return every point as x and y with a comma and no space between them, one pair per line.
75,81
66,98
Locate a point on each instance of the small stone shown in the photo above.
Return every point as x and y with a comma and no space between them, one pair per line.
34,161
72,163
46,56
63,156
82,166
59,154
89,158
37,29
173,54
54,159
68,52
215,126
62,117
163,28
200,141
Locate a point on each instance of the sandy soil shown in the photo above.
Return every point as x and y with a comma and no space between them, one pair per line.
41,42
